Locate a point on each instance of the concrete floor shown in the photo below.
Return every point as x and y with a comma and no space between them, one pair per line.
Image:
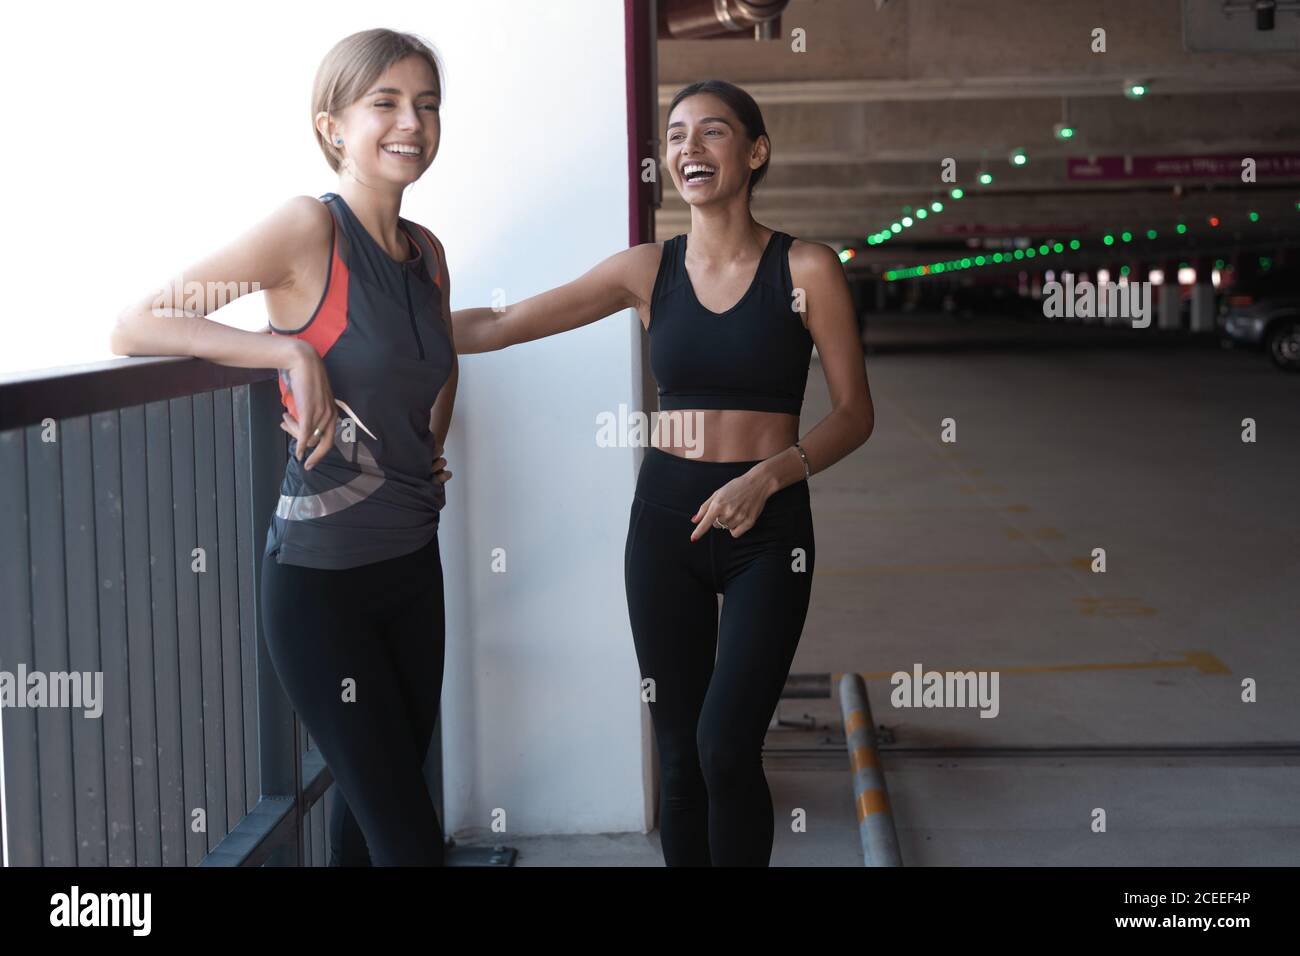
975,556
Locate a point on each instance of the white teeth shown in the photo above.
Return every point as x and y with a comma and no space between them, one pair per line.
408,150
696,168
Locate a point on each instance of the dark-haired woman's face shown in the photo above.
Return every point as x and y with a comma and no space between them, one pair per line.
709,154
381,130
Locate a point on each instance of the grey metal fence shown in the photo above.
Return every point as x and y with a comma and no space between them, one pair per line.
134,497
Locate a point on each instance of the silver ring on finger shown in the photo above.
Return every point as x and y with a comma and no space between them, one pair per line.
317,433
719,524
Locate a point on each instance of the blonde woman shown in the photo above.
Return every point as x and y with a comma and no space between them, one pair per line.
733,310
358,303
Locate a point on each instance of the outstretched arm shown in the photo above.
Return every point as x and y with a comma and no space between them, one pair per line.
622,281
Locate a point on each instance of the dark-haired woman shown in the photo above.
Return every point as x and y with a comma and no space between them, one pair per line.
357,297
733,310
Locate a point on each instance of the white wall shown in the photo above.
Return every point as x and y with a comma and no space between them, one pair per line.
541,707
148,140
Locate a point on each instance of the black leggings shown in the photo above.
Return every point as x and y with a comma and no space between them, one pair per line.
380,625
710,716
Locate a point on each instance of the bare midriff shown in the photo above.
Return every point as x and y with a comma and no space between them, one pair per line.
711,434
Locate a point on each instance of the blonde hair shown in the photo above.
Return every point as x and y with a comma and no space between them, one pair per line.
352,66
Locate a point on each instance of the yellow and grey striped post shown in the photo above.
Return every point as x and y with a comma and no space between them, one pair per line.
875,818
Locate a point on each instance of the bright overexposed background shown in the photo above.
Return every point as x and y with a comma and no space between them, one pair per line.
139,139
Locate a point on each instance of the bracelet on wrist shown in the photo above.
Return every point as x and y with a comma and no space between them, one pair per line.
807,469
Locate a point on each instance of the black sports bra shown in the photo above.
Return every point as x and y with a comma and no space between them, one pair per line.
756,355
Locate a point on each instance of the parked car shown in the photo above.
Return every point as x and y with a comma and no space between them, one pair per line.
1268,318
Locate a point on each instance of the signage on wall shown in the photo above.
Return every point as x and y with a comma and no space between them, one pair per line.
1219,166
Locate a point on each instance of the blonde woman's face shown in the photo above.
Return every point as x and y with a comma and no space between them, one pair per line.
399,112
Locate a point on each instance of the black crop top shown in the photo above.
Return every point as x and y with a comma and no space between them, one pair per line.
754,356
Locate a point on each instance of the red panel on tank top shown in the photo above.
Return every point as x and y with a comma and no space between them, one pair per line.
328,325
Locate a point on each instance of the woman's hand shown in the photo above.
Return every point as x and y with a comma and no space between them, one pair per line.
314,401
439,472
737,504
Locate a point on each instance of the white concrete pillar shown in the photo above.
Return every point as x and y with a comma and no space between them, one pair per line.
1203,318
1168,301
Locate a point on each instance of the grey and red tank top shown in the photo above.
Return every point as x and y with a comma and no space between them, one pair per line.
380,330
754,356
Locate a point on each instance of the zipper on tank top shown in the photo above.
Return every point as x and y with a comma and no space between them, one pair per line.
410,312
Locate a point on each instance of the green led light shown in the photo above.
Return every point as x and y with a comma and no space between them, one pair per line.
979,260
1265,263
986,178
1042,250
956,192
997,257
1018,157
937,267
965,263
1123,270
1254,216
1181,228
1108,239
1074,243
921,213
1019,253
1126,236
1151,233
907,222
1219,263
895,227
1029,253
1057,247
1065,132
937,206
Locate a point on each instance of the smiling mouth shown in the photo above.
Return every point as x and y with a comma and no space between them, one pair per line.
403,152
694,173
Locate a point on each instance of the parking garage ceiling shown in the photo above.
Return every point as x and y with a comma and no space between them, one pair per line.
862,120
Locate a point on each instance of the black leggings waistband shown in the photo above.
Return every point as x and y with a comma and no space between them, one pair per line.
683,484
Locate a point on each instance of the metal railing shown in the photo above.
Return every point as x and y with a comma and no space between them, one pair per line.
134,500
